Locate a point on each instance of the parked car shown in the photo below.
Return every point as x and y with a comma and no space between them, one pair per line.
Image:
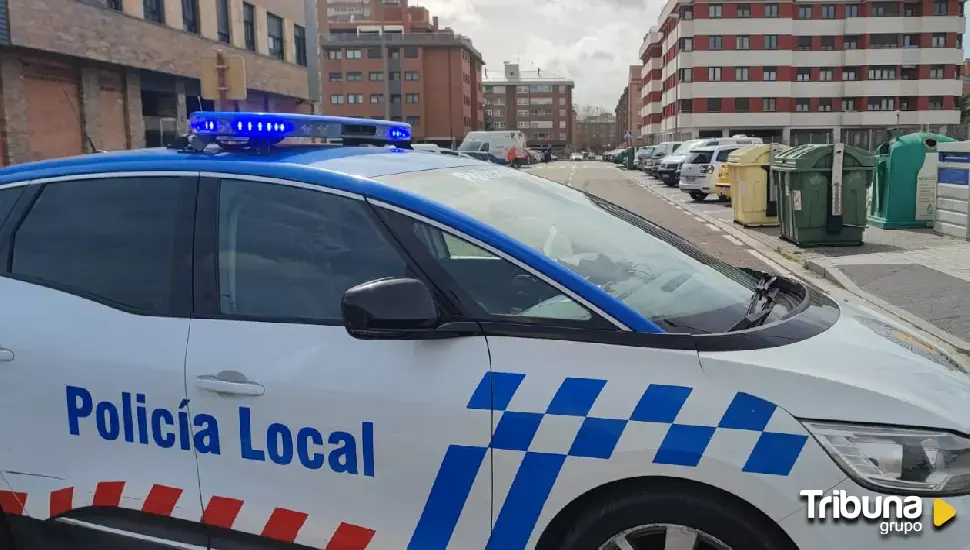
700,168
644,154
576,156
659,152
668,169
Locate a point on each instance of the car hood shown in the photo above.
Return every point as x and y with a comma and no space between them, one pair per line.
864,368
673,158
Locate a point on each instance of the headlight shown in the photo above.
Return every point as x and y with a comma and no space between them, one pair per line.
895,460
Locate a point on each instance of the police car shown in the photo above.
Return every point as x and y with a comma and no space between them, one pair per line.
239,343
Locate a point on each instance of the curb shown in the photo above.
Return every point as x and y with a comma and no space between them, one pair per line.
812,270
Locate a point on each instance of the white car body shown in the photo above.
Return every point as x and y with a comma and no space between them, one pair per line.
701,166
576,156
491,435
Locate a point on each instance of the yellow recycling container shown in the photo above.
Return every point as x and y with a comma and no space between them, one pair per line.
753,203
722,186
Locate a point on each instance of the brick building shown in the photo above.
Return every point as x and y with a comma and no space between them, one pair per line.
538,103
628,108
800,71
125,72
433,76
596,133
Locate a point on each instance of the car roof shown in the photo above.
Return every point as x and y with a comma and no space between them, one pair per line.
368,162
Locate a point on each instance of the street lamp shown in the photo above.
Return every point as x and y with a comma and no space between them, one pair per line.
387,76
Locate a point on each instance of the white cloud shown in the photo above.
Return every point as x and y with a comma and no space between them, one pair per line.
592,43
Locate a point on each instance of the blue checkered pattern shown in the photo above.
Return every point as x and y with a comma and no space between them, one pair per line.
684,444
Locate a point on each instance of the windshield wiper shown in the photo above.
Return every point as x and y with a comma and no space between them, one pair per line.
760,306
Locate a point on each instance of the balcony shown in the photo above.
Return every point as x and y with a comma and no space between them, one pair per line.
391,40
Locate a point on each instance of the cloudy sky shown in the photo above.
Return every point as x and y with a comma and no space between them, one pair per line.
590,41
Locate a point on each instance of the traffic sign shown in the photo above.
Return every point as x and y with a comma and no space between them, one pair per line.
628,134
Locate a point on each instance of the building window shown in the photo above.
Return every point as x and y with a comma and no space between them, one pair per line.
828,11
771,74
771,41
687,13
825,105
804,12
771,10
849,73
940,8
936,103
849,105
825,75
249,28
374,53
850,43
912,10
881,104
190,16
412,75
908,73
376,98
714,42
744,42
375,76
714,105
884,9
562,112
274,31
741,74
685,75
802,105
336,99
714,11
395,99
804,74
413,120
939,40
355,98
713,74
905,104
882,73
336,77
355,77
910,40
852,10
410,52
686,106
883,41
741,105
222,21
826,43
937,72
354,54
299,42
395,75
744,10
522,113
805,43
686,44
335,54
413,98
768,105
115,5
154,11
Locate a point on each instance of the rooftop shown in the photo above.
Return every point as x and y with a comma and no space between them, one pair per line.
430,39
526,77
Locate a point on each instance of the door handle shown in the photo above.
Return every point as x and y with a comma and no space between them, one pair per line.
215,384
6,354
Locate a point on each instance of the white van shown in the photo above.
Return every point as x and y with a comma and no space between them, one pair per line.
500,146
660,151
701,166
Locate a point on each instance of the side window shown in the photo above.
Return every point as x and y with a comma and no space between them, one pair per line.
288,253
8,197
500,288
723,154
110,239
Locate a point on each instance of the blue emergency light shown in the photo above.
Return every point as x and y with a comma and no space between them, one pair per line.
271,128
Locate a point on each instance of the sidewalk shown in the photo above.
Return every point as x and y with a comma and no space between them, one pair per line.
915,271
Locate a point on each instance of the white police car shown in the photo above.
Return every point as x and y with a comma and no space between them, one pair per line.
238,344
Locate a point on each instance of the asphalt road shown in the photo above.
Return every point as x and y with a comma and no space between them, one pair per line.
666,206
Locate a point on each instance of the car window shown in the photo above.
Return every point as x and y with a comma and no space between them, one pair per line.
290,253
723,154
499,287
8,197
699,157
111,239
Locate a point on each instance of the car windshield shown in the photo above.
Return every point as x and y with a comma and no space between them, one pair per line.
686,146
667,279
471,146
700,156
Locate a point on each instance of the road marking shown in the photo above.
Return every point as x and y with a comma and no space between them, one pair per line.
732,239
713,227
700,219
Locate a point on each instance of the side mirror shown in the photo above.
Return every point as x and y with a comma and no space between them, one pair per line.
389,308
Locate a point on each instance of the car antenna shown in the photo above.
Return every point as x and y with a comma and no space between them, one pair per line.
80,120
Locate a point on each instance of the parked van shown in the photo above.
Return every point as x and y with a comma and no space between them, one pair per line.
701,166
500,146
668,168
643,153
659,151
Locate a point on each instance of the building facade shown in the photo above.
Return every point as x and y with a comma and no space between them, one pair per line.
629,107
431,76
596,133
538,103
799,71
124,73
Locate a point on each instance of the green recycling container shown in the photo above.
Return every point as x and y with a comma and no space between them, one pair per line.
904,189
815,208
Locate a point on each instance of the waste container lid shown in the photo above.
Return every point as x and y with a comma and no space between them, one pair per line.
918,140
758,154
819,156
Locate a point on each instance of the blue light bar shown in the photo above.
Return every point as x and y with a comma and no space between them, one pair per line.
244,128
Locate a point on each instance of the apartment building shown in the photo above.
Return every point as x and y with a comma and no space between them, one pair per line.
425,75
537,102
596,133
125,72
629,107
802,71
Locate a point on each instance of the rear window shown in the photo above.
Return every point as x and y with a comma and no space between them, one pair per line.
699,157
